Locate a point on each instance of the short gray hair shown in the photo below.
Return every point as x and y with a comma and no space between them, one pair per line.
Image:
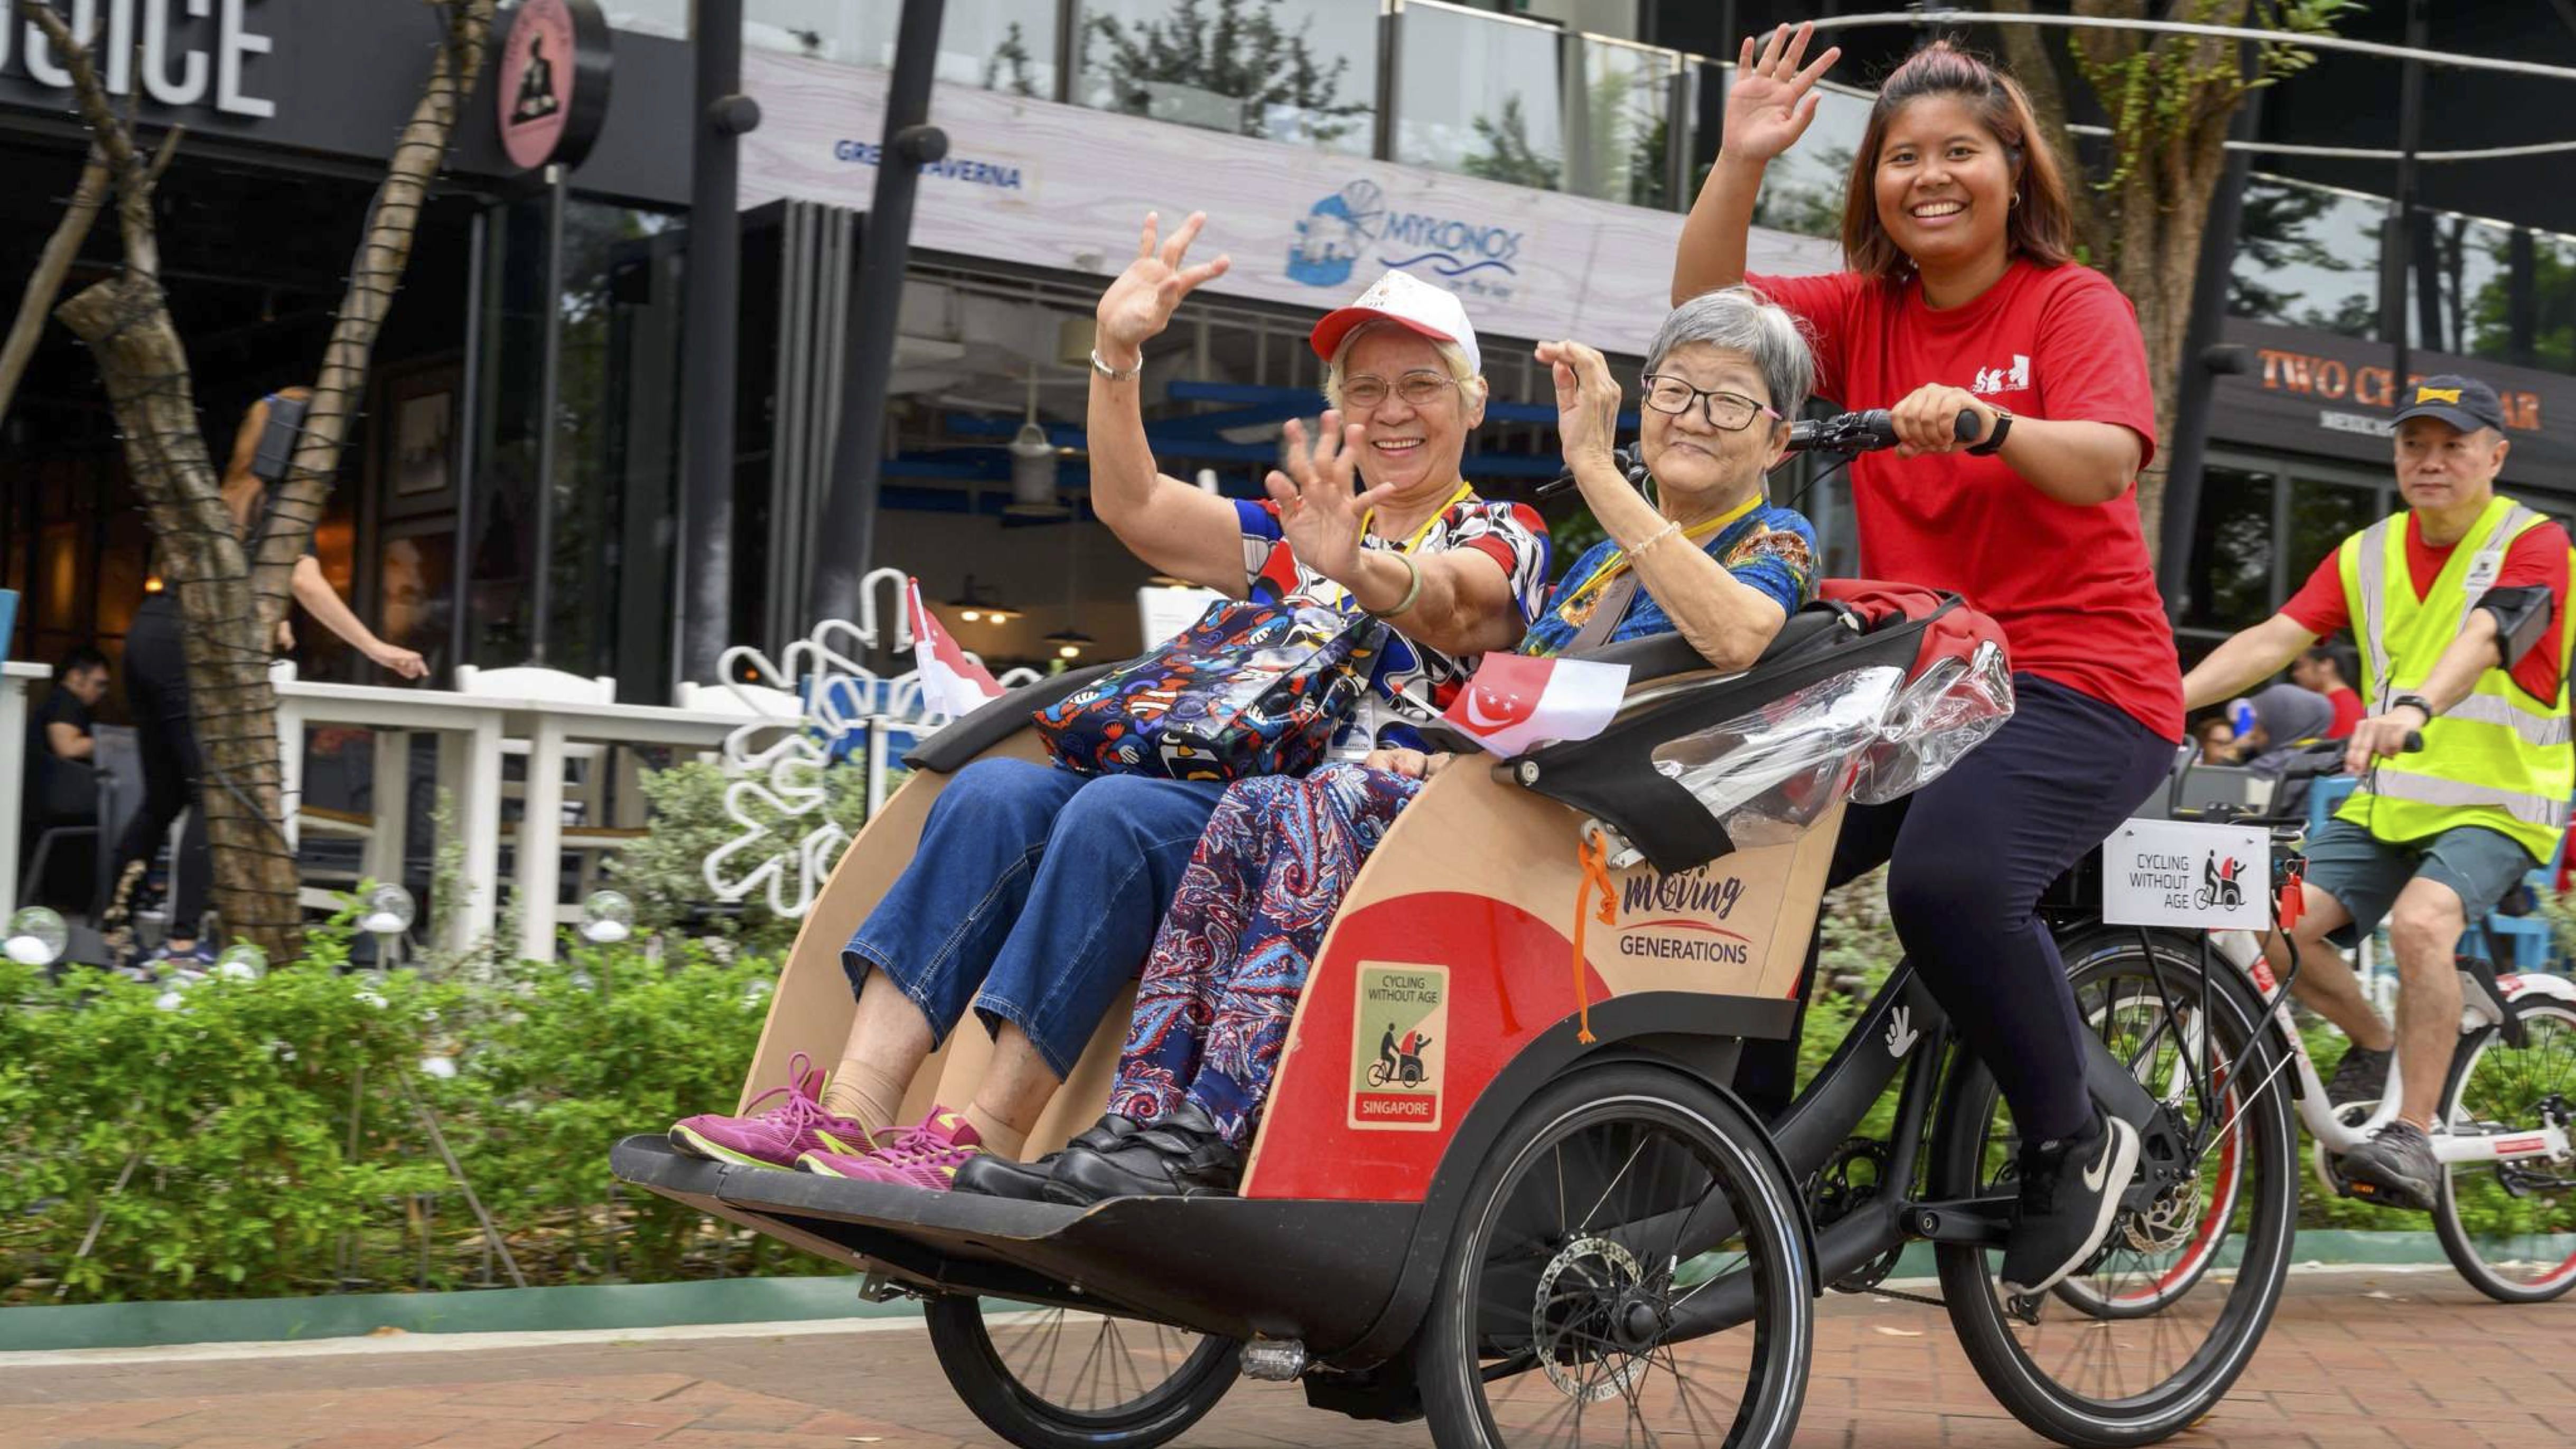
1740,319
1453,360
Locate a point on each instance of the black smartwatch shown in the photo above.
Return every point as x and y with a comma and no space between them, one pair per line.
1994,442
2419,702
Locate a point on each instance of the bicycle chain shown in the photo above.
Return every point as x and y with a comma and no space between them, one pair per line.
1883,1291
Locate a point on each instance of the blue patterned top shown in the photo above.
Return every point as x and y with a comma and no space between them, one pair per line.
1771,548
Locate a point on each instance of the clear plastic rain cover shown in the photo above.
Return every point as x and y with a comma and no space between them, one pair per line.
1866,734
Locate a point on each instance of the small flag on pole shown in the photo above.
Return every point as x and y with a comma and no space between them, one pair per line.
951,683
1516,702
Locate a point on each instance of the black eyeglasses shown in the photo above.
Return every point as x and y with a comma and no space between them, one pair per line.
1728,411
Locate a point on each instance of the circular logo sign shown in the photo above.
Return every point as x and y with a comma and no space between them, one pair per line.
553,82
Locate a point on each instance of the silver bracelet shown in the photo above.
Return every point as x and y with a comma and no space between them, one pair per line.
1114,374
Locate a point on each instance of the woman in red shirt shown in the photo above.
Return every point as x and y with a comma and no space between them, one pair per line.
1961,295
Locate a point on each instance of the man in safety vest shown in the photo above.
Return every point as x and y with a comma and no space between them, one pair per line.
2459,606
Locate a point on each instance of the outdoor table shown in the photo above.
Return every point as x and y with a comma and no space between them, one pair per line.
470,730
17,681
547,725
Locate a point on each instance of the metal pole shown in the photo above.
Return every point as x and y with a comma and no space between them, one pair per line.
2197,386
469,409
714,282
848,535
2397,244
549,401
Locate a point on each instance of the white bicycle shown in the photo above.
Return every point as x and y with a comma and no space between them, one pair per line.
2506,1208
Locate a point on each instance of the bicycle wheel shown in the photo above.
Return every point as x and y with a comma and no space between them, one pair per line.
2162,1321
1582,1235
2510,1227
2175,1243
1053,1378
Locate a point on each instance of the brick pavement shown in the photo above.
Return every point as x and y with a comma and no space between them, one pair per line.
2354,1361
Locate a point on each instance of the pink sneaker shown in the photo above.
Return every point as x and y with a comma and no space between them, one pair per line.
778,1136
926,1157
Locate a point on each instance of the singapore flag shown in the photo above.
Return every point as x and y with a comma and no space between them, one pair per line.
951,683
1517,702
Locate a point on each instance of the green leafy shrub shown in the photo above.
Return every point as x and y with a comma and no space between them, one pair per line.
665,872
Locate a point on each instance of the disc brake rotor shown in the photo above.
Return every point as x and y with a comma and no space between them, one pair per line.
1573,1322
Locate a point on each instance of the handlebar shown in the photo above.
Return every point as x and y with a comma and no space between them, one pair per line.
1864,432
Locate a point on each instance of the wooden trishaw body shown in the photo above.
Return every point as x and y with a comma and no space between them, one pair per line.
1460,928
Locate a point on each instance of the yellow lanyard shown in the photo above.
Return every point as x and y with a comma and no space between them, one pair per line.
1618,559
1465,492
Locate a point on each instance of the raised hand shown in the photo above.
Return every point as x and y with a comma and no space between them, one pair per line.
1587,402
1769,100
1139,304
1319,513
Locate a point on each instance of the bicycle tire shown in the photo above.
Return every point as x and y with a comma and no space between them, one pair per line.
2469,1252
1038,1416
1504,1269
2268,1199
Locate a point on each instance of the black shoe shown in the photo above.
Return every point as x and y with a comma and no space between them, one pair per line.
2070,1192
2362,1076
995,1176
1182,1155
2395,1168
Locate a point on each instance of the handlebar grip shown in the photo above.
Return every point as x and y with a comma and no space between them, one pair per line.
2414,742
1964,427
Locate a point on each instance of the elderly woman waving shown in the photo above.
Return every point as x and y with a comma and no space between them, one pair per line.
1709,557
1036,891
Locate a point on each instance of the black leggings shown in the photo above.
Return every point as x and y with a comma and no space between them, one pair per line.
1969,855
156,690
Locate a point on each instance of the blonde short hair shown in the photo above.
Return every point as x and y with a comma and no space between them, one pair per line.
1471,384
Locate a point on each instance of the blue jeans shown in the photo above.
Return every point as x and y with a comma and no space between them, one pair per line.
1033,896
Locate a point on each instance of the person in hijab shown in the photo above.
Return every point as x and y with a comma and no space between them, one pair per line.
2286,717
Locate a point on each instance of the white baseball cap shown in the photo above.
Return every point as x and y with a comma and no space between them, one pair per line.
1409,301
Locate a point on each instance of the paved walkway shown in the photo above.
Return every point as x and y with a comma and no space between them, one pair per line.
2353,1360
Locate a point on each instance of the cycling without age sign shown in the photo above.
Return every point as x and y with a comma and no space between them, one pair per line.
2180,873
1399,1046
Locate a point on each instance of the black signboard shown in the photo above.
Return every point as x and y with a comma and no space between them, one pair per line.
2323,393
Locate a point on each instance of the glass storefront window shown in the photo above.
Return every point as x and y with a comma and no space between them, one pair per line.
2322,515
650,17
616,446
1479,95
2307,256
2230,577
2479,300
997,45
1625,115
2470,265
1300,71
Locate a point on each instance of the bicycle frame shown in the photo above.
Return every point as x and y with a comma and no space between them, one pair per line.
2480,1007
1901,1028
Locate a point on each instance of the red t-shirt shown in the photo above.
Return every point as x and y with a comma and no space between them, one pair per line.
2347,711
2071,585
2539,557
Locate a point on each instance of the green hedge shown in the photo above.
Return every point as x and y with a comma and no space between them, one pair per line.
253,1139
258,1138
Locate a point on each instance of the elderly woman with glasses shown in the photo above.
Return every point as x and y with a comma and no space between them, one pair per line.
1709,556
1035,891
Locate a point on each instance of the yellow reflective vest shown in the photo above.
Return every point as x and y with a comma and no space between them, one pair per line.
2499,758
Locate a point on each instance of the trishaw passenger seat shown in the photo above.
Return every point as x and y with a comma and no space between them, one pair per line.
956,746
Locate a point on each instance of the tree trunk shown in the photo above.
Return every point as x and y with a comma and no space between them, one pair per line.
126,323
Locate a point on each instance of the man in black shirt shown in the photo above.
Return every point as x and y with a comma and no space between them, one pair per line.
60,750
63,747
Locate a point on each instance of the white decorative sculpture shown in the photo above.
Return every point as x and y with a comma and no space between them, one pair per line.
777,759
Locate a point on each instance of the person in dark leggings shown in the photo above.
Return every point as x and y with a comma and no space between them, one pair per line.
156,692
1962,296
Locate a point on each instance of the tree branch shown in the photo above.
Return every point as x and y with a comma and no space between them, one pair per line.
46,282
376,273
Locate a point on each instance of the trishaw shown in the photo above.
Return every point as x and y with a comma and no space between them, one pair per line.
1554,1211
